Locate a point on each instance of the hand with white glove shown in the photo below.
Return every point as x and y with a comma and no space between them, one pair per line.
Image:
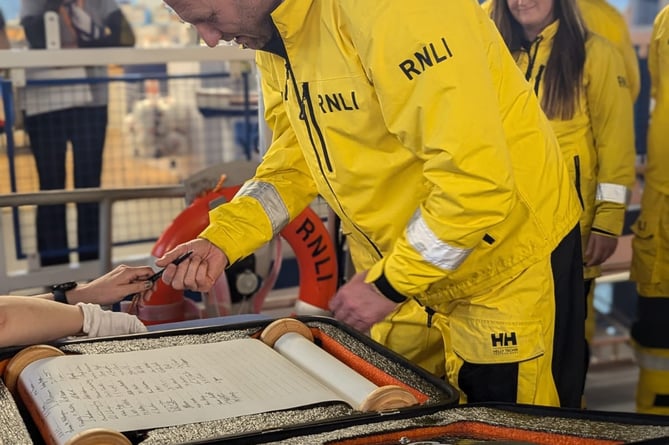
101,323
83,24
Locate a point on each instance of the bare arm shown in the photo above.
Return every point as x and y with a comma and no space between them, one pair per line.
29,320
111,287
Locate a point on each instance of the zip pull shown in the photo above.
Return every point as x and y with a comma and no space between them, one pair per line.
532,56
303,101
285,89
430,312
537,81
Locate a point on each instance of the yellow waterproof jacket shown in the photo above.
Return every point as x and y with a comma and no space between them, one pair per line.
658,130
598,142
416,126
604,19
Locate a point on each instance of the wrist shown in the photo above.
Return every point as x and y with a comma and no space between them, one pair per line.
383,287
60,291
77,294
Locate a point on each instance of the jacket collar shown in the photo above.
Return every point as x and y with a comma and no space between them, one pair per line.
287,18
290,16
549,31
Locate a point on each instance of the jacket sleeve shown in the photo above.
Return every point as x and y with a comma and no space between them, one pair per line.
281,188
653,51
439,99
631,61
611,118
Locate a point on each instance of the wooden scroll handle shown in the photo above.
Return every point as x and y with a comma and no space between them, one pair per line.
16,365
276,329
294,340
98,436
22,359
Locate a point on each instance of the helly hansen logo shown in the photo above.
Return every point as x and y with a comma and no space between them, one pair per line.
429,56
504,343
504,339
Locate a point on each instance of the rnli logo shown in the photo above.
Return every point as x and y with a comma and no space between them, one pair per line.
430,55
318,247
504,343
339,101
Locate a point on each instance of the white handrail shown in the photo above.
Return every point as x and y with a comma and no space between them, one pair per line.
49,58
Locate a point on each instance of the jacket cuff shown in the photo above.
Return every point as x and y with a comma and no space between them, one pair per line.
603,232
387,290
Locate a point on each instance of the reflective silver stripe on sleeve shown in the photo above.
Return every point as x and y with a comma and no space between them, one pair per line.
648,361
432,249
611,193
270,200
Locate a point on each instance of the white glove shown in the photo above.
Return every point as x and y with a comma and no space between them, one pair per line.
101,323
86,28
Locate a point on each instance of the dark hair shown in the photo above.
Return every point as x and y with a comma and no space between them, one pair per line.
564,70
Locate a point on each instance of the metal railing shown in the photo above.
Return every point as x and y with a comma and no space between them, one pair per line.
86,270
17,62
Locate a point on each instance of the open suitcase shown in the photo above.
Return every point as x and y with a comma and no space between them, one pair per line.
481,424
49,401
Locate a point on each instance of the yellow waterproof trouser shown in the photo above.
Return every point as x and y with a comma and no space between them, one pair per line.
650,246
652,393
501,345
650,331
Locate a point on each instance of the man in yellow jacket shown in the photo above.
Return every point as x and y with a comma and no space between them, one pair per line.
650,247
412,120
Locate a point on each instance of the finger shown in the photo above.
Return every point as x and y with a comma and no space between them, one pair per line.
336,302
205,279
142,286
140,274
146,296
191,273
172,255
170,277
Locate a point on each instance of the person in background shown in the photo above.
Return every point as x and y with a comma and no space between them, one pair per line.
4,44
56,115
4,39
41,318
650,245
604,19
434,153
577,77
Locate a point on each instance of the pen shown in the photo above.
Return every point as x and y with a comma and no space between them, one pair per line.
153,278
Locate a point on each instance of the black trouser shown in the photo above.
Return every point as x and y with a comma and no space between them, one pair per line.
85,129
569,360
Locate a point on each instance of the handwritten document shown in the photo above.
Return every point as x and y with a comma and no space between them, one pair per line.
138,390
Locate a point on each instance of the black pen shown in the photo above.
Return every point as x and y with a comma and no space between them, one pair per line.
153,278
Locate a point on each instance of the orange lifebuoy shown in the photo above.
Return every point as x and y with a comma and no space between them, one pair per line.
306,234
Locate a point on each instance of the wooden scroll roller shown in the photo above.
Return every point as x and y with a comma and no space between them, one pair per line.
294,340
94,436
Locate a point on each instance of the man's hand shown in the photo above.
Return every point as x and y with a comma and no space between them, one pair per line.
599,249
199,272
359,304
114,286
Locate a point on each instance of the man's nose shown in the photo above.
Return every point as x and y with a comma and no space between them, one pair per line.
209,35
